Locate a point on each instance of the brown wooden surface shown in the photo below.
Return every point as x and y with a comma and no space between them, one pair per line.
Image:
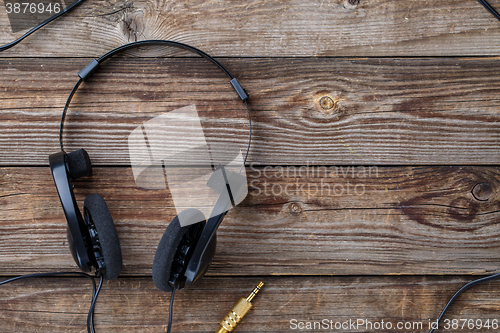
388,111
414,299
336,221
405,212
272,28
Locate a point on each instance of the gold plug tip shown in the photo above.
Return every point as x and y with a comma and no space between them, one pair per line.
255,291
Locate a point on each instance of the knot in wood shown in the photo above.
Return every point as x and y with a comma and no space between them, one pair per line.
326,103
482,191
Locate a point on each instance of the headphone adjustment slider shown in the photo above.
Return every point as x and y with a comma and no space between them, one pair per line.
239,89
89,70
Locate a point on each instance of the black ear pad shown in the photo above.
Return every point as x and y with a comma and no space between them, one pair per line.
169,246
97,211
79,164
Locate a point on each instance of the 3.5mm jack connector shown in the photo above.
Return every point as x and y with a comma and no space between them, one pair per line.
238,311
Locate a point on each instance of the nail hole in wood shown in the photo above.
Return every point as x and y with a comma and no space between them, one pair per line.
295,208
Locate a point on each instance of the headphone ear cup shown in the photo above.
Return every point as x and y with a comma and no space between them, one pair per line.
95,208
79,164
169,244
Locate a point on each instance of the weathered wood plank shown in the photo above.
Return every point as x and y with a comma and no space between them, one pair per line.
60,305
271,28
337,221
385,111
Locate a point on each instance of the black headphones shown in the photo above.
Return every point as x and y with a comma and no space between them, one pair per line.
184,253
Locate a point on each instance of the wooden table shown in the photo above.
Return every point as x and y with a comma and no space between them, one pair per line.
397,100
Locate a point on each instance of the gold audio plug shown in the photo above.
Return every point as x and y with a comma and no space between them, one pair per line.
238,311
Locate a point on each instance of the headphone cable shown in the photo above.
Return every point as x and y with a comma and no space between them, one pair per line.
489,8
41,25
249,136
171,310
90,316
487,278
95,291
460,291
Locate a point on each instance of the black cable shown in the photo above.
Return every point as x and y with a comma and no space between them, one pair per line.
487,278
50,275
95,292
489,8
167,43
249,136
41,25
171,311
460,291
90,316
66,106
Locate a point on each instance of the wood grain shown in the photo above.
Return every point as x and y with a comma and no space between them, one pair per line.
295,221
384,111
236,28
397,88
135,305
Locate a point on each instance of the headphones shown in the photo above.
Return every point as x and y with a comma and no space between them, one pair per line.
186,250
